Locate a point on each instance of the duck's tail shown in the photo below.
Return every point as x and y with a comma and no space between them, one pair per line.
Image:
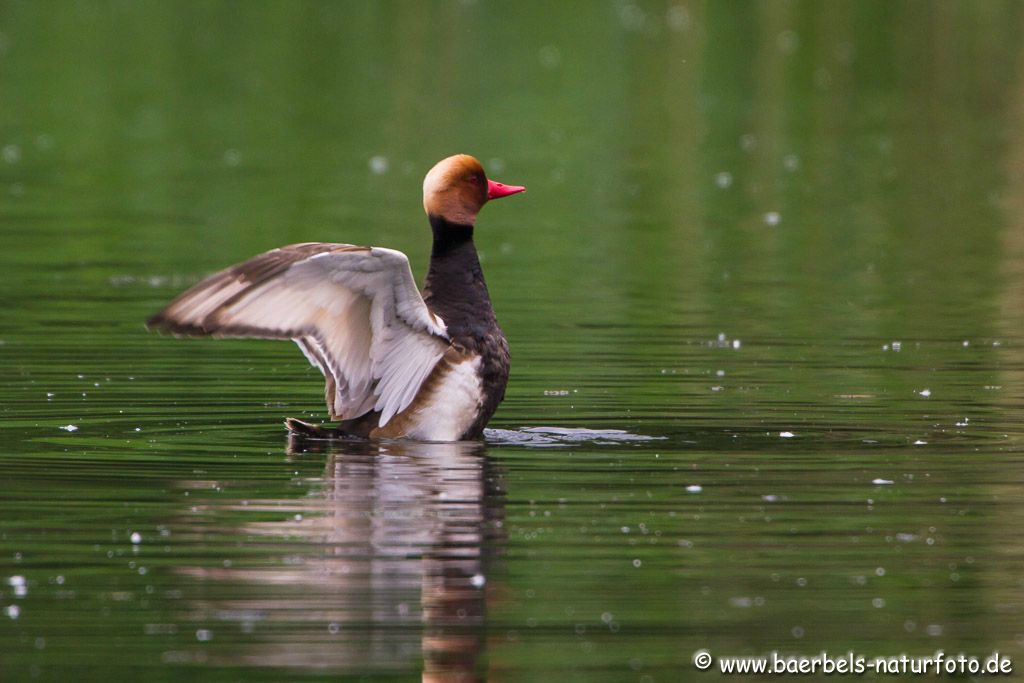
309,430
347,430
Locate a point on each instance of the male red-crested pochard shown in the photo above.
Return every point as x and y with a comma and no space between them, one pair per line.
397,364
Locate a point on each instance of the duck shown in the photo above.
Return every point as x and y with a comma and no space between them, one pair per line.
397,363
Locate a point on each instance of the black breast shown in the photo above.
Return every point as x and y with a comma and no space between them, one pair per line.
455,290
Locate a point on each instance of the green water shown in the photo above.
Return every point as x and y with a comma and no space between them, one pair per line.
765,298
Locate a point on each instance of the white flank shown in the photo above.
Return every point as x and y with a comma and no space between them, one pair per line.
453,407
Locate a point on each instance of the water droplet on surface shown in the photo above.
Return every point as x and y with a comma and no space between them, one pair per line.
788,41
550,56
633,18
678,18
379,164
845,52
11,153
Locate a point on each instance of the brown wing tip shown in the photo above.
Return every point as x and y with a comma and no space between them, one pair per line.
156,322
164,324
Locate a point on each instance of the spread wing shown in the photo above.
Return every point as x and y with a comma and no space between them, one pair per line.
354,311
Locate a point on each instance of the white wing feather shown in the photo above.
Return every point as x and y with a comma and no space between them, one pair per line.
355,312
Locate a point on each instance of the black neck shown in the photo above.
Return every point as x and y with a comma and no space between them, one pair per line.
449,237
455,287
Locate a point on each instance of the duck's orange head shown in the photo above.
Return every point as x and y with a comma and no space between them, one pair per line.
457,188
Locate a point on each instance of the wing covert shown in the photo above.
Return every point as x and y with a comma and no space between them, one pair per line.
355,312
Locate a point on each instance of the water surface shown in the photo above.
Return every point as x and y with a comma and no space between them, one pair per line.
764,297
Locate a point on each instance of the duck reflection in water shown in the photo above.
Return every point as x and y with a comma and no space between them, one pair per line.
388,563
